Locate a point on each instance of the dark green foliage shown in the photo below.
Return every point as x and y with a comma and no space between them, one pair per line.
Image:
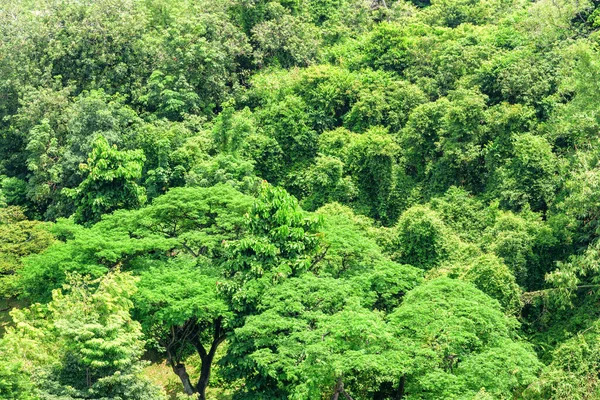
572,372
370,161
287,122
529,175
284,40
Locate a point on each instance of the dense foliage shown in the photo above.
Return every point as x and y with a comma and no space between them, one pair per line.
308,199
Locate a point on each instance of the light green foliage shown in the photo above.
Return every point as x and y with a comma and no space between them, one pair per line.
171,294
13,383
490,275
231,129
335,143
88,251
43,150
199,219
463,213
326,321
229,169
335,96
282,242
195,221
350,252
181,311
387,47
95,114
279,244
83,343
267,156
578,272
169,97
506,122
551,22
348,249
39,130
458,340
66,40
421,238
110,182
60,136
579,198
309,337
573,121
522,76
177,245
193,150
19,238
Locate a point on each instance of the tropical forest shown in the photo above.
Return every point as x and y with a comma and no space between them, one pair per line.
299,199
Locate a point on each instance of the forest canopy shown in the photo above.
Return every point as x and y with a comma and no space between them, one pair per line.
299,199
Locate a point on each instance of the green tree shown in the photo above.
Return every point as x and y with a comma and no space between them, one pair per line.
177,246
421,238
281,242
169,97
231,129
525,244
284,39
572,371
529,175
180,308
288,123
313,339
371,158
442,142
83,344
19,238
490,275
459,342
110,183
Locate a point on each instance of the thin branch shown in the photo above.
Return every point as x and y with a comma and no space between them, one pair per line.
185,246
320,257
346,394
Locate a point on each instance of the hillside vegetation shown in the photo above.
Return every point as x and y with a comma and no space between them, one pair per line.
299,199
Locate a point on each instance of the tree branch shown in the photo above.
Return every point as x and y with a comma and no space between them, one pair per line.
319,258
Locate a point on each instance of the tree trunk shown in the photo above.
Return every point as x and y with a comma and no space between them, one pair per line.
207,359
339,386
205,373
180,371
400,392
